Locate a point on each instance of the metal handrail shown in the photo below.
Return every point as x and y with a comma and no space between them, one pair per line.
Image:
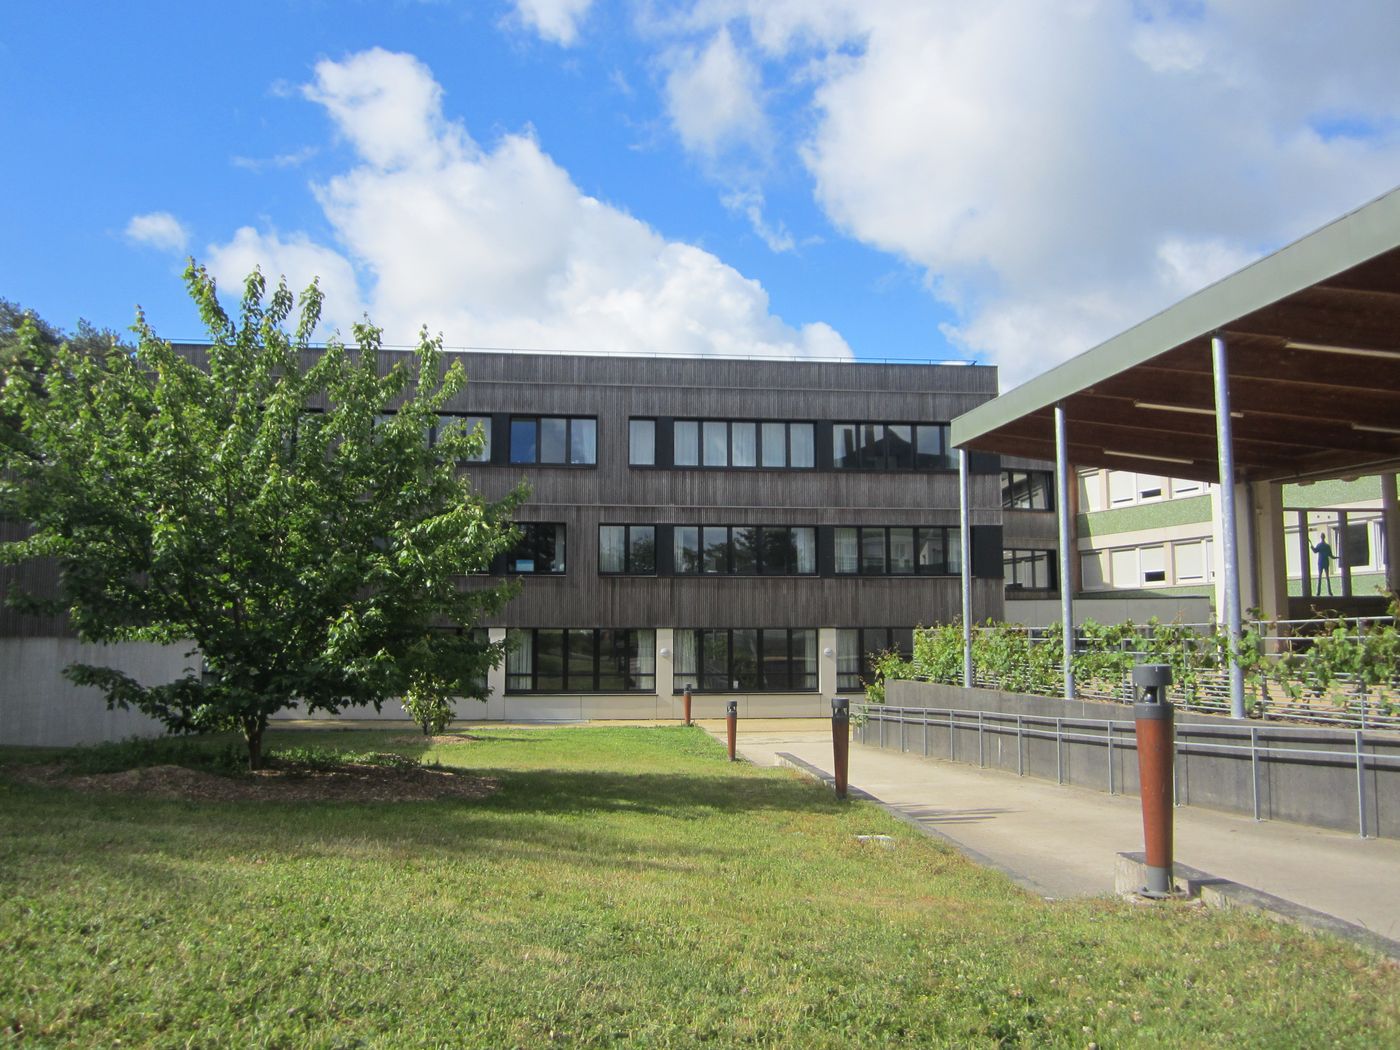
1024,726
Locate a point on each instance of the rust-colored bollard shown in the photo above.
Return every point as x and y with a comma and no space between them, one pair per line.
1155,748
841,741
731,717
685,704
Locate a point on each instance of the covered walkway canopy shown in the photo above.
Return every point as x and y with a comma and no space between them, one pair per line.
1313,337
1288,370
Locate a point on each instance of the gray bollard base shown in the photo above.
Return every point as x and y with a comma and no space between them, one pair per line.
1159,885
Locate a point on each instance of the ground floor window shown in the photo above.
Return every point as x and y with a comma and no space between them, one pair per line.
554,660
1028,570
857,647
746,660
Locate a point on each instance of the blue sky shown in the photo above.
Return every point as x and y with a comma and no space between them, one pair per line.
1009,181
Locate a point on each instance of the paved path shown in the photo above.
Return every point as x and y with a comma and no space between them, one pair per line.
1063,841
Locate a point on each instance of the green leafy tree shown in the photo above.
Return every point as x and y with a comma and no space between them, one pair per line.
279,506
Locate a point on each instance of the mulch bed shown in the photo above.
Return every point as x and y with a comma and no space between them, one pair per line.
349,783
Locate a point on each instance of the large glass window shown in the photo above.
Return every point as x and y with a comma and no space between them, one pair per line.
746,660
539,550
715,433
467,424
641,442
1031,570
686,449
857,648
687,549
742,444
897,550
745,550
541,660
890,446
555,440
627,549
1027,489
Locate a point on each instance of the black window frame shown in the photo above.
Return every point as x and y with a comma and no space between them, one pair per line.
759,446
731,559
655,425
865,532
1014,479
869,641
527,545
877,455
628,569
484,456
697,677
569,426
592,680
1011,556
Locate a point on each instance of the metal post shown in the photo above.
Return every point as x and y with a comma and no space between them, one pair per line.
965,539
981,753
685,702
1154,750
1110,756
1059,754
841,742
1361,782
952,751
1228,536
1254,765
731,718
1062,509
926,732
1305,575
1020,760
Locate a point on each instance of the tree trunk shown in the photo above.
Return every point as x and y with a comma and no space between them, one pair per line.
253,734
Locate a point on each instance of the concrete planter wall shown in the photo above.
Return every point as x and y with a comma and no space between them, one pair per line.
1280,772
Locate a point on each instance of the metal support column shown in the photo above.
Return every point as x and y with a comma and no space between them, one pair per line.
1062,513
965,538
1229,538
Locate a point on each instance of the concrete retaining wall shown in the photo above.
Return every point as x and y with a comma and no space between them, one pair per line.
1322,789
39,707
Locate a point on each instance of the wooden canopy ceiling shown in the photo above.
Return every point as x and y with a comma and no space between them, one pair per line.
1312,338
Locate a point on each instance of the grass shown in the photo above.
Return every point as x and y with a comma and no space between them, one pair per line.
625,887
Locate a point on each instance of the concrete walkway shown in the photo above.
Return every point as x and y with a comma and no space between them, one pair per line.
1064,841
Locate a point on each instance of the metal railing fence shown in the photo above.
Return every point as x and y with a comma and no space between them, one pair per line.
1119,734
1347,702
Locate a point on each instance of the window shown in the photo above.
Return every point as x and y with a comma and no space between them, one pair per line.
745,550
746,660
686,446
1029,570
1192,560
1091,569
540,549
897,550
743,444
571,440
465,423
890,446
857,646
580,661
1154,564
1026,489
641,442
627,549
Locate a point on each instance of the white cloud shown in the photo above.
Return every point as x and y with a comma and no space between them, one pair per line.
498,247
554,20
712,97
1060,171
158,229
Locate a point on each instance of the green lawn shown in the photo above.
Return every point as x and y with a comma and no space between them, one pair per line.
625,887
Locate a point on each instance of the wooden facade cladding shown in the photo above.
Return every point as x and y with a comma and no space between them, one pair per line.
614,389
